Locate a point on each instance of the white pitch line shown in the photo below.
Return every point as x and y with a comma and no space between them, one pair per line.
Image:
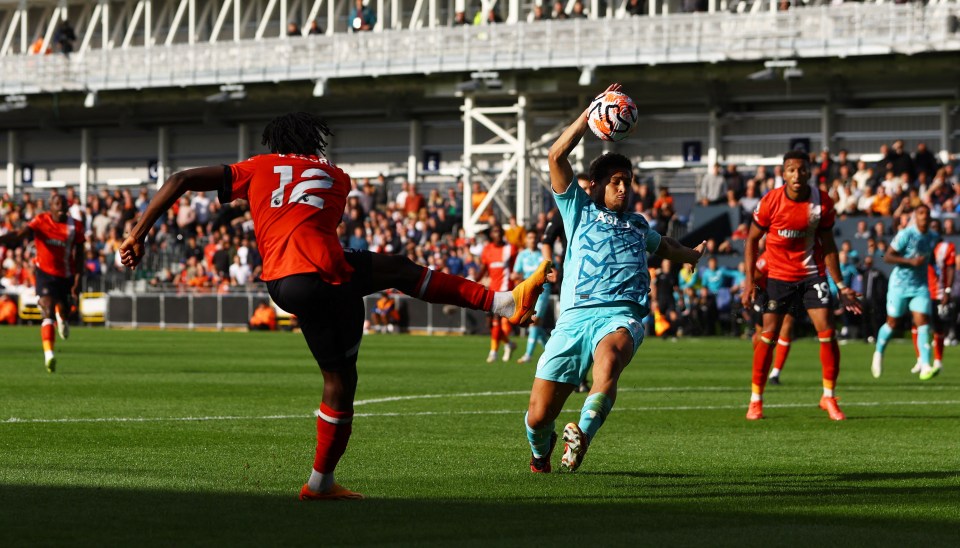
14,420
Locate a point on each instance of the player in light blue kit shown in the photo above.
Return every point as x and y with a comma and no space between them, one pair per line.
603,297
529,260
911,251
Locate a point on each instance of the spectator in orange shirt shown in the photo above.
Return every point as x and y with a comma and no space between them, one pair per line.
414,201
882,202
515,234
8,310
476,196
264,318
385,315
37,47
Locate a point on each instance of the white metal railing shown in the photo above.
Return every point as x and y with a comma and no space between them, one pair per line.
834,31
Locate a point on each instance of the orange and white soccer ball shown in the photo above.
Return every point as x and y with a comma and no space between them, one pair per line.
612,116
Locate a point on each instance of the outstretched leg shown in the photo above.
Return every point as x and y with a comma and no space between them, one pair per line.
385,271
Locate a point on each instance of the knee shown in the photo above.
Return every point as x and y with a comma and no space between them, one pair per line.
537,417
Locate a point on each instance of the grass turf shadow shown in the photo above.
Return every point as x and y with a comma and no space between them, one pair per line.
81,516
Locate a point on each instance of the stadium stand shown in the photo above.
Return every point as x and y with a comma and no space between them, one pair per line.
136,90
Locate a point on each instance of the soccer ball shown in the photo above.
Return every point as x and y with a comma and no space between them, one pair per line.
612,116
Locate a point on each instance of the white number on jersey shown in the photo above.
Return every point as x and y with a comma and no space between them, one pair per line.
299,193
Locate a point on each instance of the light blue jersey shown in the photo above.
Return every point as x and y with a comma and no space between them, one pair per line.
527,262
908,281
606,260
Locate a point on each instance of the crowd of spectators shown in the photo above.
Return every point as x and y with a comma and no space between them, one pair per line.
200,245
879,195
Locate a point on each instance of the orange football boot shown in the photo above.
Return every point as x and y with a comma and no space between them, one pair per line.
755,411
830,406
337,492
526,294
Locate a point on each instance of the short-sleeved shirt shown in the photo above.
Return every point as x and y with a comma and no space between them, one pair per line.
498,260
527,262
713,280
944,254
296,202
794,248
910,243
606,258
55,242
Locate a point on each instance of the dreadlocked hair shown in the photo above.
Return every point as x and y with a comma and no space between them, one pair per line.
296,133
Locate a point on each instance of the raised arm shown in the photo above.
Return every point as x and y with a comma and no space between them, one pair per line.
561,172
201,179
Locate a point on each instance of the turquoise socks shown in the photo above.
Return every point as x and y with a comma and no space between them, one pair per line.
883,337
923,343
594,412
539,439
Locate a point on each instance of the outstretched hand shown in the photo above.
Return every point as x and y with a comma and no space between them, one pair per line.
131,251
700,250
850,300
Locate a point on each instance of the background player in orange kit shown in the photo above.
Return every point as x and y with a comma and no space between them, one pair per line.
800,251
940,275
297,199
496,261
59,240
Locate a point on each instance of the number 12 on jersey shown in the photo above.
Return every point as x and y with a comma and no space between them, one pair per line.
298,195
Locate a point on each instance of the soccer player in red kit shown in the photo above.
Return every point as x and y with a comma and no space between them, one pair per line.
496,260
297,199
800,251
59,240
940,275
785,338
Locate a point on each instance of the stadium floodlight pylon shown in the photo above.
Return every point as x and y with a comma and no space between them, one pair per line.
521,163
509,145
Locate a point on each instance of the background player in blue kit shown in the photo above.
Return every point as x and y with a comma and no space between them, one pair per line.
528,260
910,252
603,297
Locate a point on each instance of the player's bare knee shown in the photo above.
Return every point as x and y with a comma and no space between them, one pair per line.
538,417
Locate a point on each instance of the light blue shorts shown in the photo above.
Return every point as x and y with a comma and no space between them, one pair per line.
898,303
568,355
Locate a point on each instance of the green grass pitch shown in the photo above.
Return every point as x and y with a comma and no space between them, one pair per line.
151,438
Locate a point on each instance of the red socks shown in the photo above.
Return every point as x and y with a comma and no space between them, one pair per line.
437,287
47,335
938,346
829,357
333,433
783,350
762,358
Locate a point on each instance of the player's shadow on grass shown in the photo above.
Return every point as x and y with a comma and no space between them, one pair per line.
90,516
